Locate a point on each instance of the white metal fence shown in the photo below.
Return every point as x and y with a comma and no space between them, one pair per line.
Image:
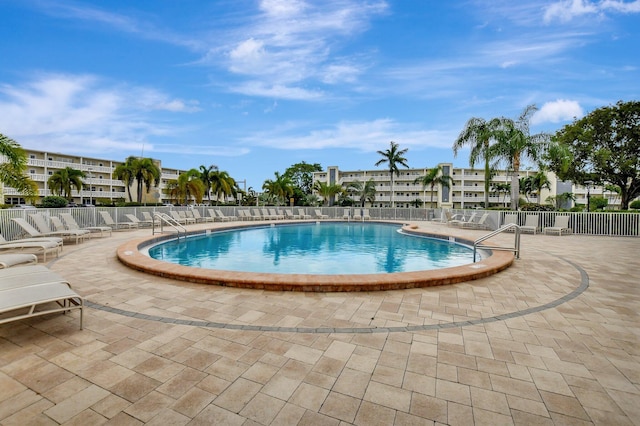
605,224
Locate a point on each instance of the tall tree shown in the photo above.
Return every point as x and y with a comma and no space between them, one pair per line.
515,144
146,174
281,187
604,147
432,178
364,191
126,173
394,157
64,180
301,176
222,185
478,134
327,190
12,172
206,178
540,181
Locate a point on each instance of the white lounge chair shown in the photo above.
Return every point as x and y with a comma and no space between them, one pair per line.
510,218
218,216
290,215
480,224
200,218
77,233
190,220
133,218
319,215
35,234
9,260
365,214
347,214
147,217
256,215
530,224
34,290
275,214
303,214
560,226
462,220
182,220
357,214
223,217
72,224
108,220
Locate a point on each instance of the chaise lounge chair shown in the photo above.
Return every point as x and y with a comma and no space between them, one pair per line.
480,224
108,220
319,215
72,224
45,230
9,260
35,290
290,215
35,234
303,214
77,233
530,224
200,218
560,226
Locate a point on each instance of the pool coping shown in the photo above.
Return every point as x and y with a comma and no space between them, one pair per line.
130,255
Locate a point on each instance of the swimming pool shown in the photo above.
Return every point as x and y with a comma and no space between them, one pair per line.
310,248
134,254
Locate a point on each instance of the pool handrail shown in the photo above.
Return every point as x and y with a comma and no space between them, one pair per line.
508,227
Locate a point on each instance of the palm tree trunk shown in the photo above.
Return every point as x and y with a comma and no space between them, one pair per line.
515,182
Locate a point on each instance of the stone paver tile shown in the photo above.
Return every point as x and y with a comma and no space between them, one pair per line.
459,414
66,389
429,407
550,381
489,400
303,354
30,415
213,384
77,403
570,368
569,406
388,375
262,408
135,387
86,417
215,415
309,396
110,406
340,350
168,417
525,405
290,414
447,372
321,380
521,418
260,372
456,359
424,348
606,418
281,387
109,377
18,402
362,363
519,372
148,406
352,382
192,402
227,369
237,395
515,387
179,384
158,368
561,419
123,419
486,417
341,407
9,387
627,401
419,383
310,418
389,396
329,366
481,349
451,391
371,414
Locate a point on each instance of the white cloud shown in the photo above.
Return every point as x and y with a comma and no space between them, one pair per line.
79,113
566,10
366,136
557,111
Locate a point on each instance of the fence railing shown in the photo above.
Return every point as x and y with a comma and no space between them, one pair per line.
604,224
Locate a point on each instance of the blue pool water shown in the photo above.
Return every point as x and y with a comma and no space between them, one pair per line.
326,248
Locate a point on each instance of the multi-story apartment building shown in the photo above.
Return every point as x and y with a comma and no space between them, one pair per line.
99,183
466,189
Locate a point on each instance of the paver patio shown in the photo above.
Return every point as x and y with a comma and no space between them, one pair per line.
555,339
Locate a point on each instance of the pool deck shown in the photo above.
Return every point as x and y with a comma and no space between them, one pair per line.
554,339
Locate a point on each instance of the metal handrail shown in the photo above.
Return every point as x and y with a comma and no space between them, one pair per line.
505,228
165,218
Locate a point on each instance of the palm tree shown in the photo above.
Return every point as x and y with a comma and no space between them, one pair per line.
365,191
12,171
222,185
327,190
146,174
62,181
281,187
126,173
478,134
393,157
514,144
206,178
432,178
539,181
502,188
190,186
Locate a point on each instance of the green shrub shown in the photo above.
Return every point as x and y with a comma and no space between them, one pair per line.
532,207
635,205
54,202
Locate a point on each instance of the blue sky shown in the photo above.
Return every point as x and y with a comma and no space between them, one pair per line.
255,86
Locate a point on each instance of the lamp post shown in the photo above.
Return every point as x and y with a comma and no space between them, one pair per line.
588,183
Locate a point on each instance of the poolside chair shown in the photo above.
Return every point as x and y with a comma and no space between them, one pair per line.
200,218
357,214
35,246
72,224
77,233
190,220
560,226
303,214
480,224
9,260
220,216
530,224
319,215
275,214
347,214
32,290
266,215
256,215
510,218
57,240
33,232
148,218
460,222
365,214
108,220
290,215
177,217
133,218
